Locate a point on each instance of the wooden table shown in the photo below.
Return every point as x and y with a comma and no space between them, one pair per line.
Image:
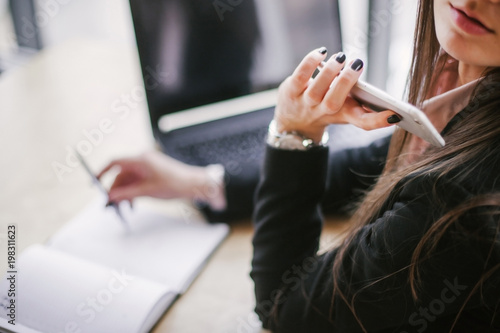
54,102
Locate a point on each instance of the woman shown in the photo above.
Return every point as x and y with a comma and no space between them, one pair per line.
423,254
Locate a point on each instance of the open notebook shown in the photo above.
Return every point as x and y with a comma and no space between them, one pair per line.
96,276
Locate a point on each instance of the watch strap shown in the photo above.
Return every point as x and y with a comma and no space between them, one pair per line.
292,140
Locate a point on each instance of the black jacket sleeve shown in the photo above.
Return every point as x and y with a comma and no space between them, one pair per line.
294,286
350,173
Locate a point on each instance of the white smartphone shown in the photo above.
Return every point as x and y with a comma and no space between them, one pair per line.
413,119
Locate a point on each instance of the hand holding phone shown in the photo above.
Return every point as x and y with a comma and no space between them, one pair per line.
413,119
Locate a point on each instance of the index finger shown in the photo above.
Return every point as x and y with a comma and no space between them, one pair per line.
342,85
304,71
108,167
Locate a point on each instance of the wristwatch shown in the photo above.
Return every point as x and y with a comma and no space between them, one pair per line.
292,140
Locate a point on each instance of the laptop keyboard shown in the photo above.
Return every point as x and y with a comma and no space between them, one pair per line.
243,147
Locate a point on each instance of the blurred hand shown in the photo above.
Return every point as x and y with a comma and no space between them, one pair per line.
308,106
157,175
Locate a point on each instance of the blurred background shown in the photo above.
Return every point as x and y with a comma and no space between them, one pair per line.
109,21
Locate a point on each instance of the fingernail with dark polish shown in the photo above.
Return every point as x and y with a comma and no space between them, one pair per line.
323,50
394,119
357,65
340,58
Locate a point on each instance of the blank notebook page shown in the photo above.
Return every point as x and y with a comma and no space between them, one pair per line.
167,250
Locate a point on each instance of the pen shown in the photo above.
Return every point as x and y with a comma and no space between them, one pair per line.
101,188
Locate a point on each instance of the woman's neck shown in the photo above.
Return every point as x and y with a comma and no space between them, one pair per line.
468,73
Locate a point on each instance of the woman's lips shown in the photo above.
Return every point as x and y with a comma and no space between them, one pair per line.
469,24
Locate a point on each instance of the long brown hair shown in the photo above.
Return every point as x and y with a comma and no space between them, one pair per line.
477,139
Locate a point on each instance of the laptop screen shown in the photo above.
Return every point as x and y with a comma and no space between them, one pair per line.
195,52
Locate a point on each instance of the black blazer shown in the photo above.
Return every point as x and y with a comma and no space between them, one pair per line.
351,171
291,277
